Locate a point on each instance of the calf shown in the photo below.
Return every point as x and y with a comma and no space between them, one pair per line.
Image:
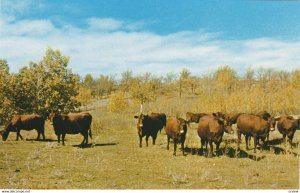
176,129
24,122
287,126
149,125
254,126
211,129
72,124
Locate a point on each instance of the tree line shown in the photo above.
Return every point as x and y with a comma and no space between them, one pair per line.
50,86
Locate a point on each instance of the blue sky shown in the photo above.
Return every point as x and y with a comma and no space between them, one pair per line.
108,37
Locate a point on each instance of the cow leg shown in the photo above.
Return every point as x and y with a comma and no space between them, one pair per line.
175,146
38,137
202,142
284,138
255,142
218,147
206,150
43,134
85,137
290,139
239,138
147,137
247,141
211,148
154,139
63,138
58,138
141,141
168,142
182,147
19,135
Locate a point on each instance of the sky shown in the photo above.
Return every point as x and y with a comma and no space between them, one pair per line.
157,36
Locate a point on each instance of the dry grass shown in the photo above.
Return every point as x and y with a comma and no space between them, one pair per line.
116,162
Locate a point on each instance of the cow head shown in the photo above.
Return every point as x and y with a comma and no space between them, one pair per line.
225,124
140,123
182,128
5,132
272,123
52,116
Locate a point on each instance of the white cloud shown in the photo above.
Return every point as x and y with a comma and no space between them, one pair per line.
109,46
104,24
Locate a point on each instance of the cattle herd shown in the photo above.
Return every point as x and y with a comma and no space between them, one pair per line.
210,129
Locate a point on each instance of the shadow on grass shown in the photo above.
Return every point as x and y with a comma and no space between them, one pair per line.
275,141
228,151
41,140
94,145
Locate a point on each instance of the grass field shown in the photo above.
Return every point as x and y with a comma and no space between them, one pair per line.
115,161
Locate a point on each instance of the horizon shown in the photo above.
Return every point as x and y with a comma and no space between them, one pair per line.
109,38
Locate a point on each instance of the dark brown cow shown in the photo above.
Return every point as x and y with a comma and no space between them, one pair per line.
176,129
255,126
211,129
24,122
72,124
194,117
149,125
162,119
287,126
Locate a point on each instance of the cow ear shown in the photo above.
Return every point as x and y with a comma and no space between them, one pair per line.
135,116
214,114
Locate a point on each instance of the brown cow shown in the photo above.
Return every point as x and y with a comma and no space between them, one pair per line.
211,129
194,117
176,129
287,126
255,126
149,125
232,118
24,122
72,124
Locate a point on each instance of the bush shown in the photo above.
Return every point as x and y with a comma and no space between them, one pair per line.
117,103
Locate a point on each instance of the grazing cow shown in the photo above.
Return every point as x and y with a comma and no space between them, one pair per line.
194,117
72,124
287,126
254,126
162,119
149,125
176,129
24,122
211,129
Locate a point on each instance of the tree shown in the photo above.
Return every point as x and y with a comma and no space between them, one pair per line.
46,86
126,80
4,65
6,106
143,89
184,78
225,79
104,85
